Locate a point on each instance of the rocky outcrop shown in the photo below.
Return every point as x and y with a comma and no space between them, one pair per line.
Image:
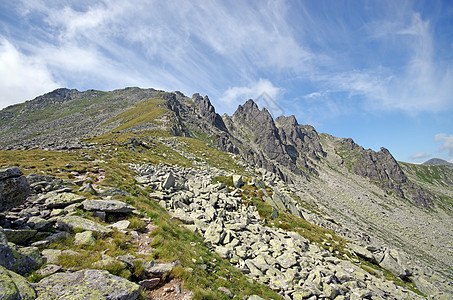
14,188
382,169
207,110
86,284
276,146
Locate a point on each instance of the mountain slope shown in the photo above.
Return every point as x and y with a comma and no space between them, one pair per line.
364,196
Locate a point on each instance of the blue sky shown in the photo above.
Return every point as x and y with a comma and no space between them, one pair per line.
376,71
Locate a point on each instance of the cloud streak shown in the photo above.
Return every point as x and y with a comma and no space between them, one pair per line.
224,48
447,142
421,155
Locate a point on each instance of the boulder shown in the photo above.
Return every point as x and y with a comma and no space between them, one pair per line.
19,236
121,225
51,255
86,284
38,223
157,269
75,222
395,262
237,181
149,284
32,252
54,200
10,173
12,259
14,188
108,206
14,286
169,181
214,233
286,260
363,252
84,238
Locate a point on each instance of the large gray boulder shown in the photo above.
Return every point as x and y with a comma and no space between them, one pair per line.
14,287
14,188
86,284
396,262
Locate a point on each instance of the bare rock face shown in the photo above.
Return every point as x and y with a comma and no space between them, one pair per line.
207,110
14,188
281,142
382,168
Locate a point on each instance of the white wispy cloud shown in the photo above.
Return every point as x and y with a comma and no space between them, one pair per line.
21,77
447,142
206,46
421,155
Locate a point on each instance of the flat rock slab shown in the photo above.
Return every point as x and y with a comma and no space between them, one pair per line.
75,222
48,270
108,206
62,200
14,286
86,284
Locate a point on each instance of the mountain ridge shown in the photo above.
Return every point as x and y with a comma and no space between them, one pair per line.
362,195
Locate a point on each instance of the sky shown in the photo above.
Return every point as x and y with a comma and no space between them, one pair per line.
379,72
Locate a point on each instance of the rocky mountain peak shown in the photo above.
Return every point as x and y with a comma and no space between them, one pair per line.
251,112
283,121
207,110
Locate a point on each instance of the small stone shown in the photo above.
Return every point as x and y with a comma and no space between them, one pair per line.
149,284
237,181
225,291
